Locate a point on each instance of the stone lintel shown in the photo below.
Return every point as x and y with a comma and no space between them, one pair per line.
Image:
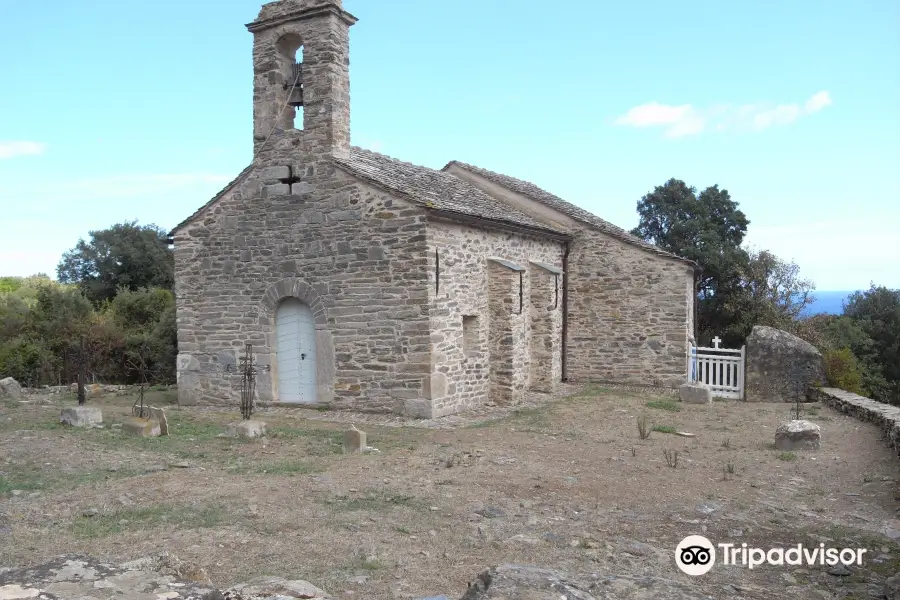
547,267
506,263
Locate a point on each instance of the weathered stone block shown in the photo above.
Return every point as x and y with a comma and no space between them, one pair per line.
695,392
354,440
141,427
798,435
81,416
780,366
249,429
10,388
273,174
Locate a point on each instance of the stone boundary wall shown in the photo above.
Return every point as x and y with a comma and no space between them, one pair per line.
887,417
106,388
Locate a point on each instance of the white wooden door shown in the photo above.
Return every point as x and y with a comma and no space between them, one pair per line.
296,347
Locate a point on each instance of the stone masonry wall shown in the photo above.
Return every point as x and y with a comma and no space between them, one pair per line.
546,328
460,378
355,254
630,313
885,416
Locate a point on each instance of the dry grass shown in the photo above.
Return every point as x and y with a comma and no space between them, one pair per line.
569,485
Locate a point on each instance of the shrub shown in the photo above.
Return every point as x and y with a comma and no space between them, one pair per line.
842,370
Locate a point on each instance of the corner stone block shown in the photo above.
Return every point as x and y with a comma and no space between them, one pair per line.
81,416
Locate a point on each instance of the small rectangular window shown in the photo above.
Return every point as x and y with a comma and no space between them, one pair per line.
470,333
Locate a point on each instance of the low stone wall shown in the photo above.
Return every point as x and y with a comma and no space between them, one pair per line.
103,388
887,417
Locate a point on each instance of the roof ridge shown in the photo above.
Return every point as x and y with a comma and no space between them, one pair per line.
538,194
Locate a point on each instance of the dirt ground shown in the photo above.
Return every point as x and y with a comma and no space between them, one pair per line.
566,484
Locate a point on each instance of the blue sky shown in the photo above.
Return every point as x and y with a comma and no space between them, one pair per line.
115,111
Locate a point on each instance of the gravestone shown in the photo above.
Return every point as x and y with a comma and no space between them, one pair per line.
354,440
141,427
248,429
81,416
695,392
159,415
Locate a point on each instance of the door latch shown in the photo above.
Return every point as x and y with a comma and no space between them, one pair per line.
303,356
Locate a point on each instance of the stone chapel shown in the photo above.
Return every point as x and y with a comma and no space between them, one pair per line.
369,283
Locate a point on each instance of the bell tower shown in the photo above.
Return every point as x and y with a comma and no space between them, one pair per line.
301,78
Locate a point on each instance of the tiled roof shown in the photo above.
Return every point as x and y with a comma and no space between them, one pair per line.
435,189
442,191
529,190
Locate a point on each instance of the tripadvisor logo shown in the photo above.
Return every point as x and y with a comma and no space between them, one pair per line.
696,555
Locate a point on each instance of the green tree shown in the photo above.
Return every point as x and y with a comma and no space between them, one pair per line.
771,292
876,312
125,255
709,229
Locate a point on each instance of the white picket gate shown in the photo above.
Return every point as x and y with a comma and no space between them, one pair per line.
722,369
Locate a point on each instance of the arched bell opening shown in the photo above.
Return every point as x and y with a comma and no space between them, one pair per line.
290,51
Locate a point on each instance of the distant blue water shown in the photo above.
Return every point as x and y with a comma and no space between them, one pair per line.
827,302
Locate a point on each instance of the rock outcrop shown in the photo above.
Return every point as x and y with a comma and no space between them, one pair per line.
780,366
10,388
521,581
164,577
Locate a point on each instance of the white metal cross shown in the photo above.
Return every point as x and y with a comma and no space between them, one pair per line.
716,341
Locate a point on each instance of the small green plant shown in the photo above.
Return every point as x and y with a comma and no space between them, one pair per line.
669,405
727,469
643,427
868,478
726,443
664,429
787,456
671,458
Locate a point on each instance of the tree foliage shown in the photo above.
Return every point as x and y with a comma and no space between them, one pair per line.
125,255
707,228
769,292
43,322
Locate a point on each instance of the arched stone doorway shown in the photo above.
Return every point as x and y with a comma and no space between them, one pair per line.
295,302
295,348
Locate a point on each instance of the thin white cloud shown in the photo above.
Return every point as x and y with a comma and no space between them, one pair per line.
685,119
11,149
